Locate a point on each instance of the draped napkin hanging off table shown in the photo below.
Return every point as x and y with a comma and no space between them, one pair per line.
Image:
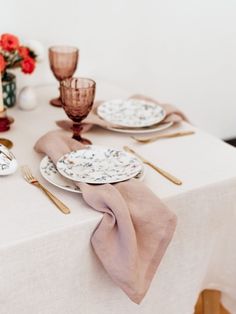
136,227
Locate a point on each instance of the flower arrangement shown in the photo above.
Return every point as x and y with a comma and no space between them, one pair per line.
14,55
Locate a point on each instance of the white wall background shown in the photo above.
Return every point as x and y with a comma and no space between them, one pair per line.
179,51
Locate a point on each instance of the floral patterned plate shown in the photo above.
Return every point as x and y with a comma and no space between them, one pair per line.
99,165
131,113
51,174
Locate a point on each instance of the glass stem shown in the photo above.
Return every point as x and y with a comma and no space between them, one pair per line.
59,97
77,128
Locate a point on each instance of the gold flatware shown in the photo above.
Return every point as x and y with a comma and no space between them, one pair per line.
6,142
32,180
164,173
161,136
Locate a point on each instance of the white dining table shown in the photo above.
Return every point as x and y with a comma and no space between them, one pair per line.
47,265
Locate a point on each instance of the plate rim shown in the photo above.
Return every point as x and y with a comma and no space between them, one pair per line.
53,183
139,131
124,100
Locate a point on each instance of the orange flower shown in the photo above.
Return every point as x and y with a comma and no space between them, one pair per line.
28,65
2,63
23,52
9,42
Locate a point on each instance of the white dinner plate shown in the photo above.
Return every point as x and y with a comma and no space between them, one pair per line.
99,165
150,129
131,113
50,173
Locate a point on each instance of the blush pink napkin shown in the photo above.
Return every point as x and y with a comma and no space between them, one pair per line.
136,227
173,114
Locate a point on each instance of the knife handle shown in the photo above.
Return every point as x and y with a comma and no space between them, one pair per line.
165,174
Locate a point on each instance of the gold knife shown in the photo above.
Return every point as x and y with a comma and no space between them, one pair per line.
158,137
164,173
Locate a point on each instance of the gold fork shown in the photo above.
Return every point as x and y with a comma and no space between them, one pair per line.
28,176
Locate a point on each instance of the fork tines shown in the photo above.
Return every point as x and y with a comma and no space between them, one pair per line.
27,174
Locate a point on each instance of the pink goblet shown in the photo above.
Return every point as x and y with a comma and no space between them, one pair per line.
63,62
77,95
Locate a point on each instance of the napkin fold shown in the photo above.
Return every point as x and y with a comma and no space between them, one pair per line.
173,114
136,227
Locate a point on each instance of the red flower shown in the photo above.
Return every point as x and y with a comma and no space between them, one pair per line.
28,65
9,42
23,52
2,63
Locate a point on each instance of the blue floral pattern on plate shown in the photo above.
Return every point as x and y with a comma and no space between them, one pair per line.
132,113
99,165
50,173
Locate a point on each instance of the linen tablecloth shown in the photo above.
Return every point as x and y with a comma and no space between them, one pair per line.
47,265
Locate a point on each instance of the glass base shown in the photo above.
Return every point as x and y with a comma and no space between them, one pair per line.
56,102
82,140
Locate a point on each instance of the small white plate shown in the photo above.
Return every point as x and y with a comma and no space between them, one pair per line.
131,113
51,174
99,165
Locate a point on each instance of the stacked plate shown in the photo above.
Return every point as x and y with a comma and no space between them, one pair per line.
93,165
133,116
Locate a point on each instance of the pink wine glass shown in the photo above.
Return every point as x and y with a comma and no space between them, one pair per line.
63,63
77,96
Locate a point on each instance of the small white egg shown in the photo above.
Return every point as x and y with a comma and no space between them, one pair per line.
27,99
